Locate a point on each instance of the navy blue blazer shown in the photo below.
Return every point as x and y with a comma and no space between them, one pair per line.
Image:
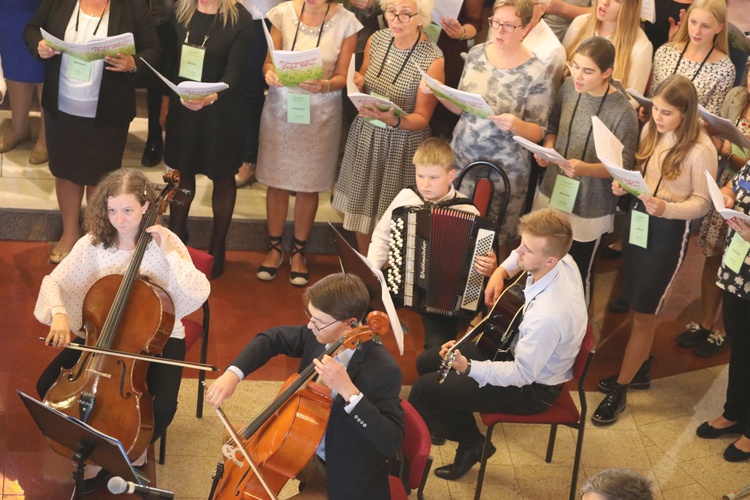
357,443
116,105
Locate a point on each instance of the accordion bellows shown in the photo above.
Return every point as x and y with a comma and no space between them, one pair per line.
431,259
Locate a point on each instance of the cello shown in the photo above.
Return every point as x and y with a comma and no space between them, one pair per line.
281,440
120,313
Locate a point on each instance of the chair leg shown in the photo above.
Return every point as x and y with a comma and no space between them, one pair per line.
201,390
163,448
577,460
551,443
483,462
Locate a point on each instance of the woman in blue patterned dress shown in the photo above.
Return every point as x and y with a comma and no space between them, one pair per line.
516,86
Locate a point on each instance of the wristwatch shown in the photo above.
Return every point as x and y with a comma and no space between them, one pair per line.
467,370
463,33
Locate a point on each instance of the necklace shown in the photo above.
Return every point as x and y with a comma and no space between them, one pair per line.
299,21
408,56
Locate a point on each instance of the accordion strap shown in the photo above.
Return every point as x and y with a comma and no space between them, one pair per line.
456,200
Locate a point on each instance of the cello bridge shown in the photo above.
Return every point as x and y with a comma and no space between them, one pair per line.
231,452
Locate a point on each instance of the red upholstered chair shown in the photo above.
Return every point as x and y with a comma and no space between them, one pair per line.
486,188
563,412
416,450
194,331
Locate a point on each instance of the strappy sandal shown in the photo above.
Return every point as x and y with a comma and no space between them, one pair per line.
295,278
267,273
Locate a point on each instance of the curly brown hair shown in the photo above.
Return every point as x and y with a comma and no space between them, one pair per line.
123,181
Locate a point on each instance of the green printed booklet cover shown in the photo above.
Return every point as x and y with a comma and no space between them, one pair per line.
360,99
295,67
466,101
95,49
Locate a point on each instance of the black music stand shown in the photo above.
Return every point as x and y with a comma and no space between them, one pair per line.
83,441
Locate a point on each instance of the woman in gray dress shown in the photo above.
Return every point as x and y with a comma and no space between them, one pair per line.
515,84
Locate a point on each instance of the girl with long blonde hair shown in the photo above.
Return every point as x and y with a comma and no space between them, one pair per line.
673,155
618,21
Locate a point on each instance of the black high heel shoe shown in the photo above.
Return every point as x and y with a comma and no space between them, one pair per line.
268,273
295,278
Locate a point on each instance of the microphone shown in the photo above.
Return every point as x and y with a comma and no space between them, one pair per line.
118,486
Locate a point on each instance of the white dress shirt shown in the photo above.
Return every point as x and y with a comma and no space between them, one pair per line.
550,334
545,45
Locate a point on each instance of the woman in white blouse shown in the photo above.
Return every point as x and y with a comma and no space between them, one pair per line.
114,220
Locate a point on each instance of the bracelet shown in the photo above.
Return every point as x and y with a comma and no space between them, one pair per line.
328,86
729,157
463,33
398,122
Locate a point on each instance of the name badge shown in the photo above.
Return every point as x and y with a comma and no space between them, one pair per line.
432,31
564,193
78,69
298,108
638,229
736,253
191,62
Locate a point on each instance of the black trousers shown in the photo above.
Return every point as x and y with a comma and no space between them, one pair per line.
736,312
454,402
439,329
163,381
583,254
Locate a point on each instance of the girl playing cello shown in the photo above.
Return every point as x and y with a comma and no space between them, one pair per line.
114,221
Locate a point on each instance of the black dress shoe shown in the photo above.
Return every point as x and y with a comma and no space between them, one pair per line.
610,408
152,153
466,457
91,485
734,454
706,431
641,380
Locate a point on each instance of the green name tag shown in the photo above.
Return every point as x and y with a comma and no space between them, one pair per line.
432,31
191,62
736,252
639,229
78,69
298,108
564,194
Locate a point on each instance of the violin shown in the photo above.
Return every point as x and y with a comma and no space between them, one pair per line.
120,313
281,440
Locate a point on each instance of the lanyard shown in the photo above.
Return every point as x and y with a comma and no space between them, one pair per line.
320,33
702,62
206,36
78,16
403,65
645,169
591,127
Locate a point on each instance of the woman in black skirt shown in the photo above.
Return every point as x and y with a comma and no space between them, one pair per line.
88,107
206,136
673,155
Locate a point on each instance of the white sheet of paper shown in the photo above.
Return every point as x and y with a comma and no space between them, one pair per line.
648,11
608,146
726,128
446,8
360,99
548,154
190,90
718,199
642,100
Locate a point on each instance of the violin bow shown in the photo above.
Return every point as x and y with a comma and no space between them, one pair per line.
141,357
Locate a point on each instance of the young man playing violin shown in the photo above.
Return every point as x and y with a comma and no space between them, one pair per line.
366,424
548,340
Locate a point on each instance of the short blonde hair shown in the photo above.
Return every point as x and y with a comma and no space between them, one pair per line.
424,9
549,224
524,9
434,151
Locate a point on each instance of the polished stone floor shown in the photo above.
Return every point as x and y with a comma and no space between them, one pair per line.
655,435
